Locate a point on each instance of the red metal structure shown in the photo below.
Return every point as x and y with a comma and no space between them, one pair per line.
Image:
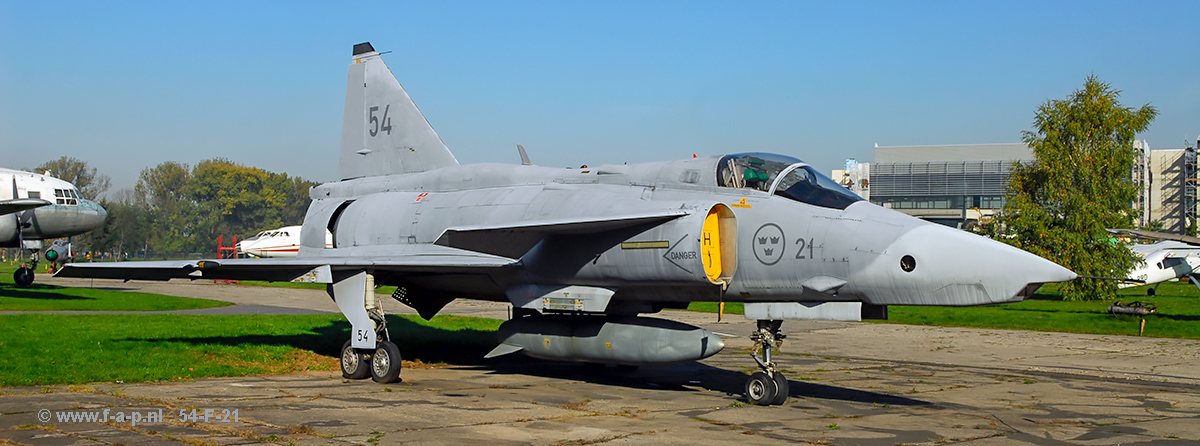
226,252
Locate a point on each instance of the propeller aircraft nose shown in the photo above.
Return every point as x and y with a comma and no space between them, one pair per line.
91,215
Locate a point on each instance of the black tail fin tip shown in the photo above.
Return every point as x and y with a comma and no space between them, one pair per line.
364,47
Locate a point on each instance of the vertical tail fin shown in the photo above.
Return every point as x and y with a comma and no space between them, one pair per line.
383,132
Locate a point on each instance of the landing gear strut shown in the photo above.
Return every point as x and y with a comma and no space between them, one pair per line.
355,296
769,386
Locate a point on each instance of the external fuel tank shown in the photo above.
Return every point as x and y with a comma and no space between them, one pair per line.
621,340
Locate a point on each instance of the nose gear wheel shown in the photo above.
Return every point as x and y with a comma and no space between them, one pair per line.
769,386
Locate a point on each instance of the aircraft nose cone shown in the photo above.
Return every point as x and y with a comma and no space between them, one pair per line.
939,265
711,344
93,216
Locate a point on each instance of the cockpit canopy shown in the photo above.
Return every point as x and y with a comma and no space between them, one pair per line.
799,181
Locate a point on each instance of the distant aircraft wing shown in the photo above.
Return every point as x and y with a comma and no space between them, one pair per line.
21,204
1152,235
397,259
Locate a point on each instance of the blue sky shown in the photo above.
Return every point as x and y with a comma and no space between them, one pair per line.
125,86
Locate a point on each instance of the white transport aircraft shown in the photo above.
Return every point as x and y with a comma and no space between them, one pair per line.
282,242
38,207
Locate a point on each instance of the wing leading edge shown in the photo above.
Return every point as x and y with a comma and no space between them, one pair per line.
475,249
399,259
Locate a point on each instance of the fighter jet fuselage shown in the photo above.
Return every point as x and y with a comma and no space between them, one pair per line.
767,246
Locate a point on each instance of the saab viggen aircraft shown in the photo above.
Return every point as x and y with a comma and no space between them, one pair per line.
582,254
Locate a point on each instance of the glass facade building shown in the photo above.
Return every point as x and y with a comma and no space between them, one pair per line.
954,185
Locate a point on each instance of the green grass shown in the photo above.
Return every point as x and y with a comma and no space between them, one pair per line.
305,285
47,349
712,307
293,285
44,349
42,297
1177,317
1178,313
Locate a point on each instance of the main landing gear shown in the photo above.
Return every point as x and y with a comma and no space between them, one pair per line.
382,364
59,252
767,387
23,276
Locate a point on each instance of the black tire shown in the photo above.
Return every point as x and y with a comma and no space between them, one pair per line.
385,363
23,276
761,389
1150,291
355,363
781,389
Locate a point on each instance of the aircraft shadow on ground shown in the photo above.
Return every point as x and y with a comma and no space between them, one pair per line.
466,348
114,288
416,342
36,291
684,377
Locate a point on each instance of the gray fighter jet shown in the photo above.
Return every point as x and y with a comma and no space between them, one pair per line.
582,253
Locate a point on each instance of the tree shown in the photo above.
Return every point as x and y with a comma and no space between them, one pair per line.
125,231
187,208
88,181
173,217
234,199
1059,206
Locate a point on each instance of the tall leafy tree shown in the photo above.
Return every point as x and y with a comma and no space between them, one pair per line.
1059,206
236,199
176,209
173,216
90,183
188,207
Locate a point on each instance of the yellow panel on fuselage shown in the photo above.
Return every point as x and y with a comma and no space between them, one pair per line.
710,245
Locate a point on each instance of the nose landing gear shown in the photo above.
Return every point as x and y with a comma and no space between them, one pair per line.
767,387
